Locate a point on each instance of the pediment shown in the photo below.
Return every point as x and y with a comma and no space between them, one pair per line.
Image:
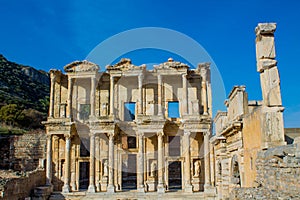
81,66
125,65
171,64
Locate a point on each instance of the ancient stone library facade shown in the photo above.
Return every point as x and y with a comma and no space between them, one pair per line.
129,128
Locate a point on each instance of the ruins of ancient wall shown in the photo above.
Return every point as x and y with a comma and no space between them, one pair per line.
278,177
24,152
22,187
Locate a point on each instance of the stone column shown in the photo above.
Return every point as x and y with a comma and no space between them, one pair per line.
111,186
66,187
161,185
92,97
70,85
184,95
187,167
203,71
97,165
49,160
206,160
91,188
159,94
140,85
52,93
111,95
140,164
272,117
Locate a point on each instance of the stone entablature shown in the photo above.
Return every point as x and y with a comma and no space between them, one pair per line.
93,138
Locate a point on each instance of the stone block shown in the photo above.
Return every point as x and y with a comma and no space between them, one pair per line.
263,64
270,84
265,47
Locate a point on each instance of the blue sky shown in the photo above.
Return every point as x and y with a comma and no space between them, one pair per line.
51,34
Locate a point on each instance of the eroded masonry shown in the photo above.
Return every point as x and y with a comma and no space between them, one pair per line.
129,128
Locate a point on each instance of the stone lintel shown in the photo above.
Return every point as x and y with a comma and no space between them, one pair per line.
235,90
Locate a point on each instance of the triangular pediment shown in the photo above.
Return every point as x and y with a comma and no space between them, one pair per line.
81,66
125,65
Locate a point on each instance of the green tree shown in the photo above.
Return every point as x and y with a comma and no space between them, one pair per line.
10,113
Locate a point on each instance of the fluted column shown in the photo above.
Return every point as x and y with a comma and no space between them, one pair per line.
161,185
140,85
91,188
70,86
49,161
92,97
111,95
184,95
97,165
66,187
111,187
140,164
187,167
52,94
159,94
206,159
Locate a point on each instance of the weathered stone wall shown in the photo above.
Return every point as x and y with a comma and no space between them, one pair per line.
22,153
278,175
22,187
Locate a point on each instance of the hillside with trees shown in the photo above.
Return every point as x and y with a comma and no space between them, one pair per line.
24,95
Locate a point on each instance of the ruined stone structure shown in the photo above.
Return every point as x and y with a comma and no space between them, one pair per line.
129,128
248,126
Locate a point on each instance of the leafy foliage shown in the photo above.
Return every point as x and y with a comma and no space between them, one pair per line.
24,95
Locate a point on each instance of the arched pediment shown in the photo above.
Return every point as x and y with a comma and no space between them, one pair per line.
81,66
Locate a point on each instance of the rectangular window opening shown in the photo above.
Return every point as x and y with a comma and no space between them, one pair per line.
173,109
85,111
129,111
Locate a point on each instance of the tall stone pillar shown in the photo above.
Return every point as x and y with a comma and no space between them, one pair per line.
52,93
140,164
92,96
91,188
187,160
70,88
161,184
111,186
206,160
159,94
270,84
97,165
49,161
184,95
204,72
66,187
111,95
140,85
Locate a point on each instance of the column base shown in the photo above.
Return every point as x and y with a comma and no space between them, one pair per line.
209,190
188,188
98,187
141,189
91,189
66,189
110,189
160,189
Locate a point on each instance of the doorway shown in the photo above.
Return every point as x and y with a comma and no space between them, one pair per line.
175,177
84,174
129,181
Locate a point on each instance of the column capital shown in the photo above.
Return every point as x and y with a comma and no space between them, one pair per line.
140,134
111,135
186,133
67,136
160,133
206,133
